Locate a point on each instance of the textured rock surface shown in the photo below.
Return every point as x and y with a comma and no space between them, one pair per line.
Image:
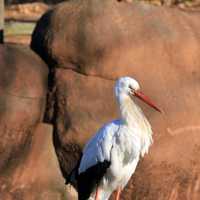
110,38
84,103
38,177
28,165
89,43
23,87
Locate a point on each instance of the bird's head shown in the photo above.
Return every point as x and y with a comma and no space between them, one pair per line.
127,86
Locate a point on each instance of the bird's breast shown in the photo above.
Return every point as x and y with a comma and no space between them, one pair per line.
127,146
119,174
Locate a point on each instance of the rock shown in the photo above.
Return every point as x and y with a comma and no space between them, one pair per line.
23,88
28,165
38,176
78,112
110,38
172,169
25,11
84,103
90,43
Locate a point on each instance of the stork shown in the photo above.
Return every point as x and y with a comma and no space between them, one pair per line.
110,157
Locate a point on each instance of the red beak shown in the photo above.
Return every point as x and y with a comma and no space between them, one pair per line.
146,99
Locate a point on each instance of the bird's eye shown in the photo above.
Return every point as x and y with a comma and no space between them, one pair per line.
130,87
132,90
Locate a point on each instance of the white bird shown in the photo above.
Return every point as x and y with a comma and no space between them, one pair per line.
110,157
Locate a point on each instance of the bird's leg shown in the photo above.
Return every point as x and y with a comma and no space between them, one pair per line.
118,193
97,193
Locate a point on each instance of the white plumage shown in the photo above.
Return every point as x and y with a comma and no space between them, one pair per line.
121,142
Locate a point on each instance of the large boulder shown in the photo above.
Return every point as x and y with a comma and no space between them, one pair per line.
108,38
28,165
23,88
90,43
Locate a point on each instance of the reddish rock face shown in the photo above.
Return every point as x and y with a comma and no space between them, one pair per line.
111,38
28,166
84,103
23,86
89,44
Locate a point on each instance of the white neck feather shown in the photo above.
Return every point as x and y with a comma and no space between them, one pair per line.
134,118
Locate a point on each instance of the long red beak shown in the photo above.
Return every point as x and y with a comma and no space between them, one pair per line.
146,99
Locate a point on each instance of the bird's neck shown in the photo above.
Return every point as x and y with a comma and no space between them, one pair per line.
133,117
131,114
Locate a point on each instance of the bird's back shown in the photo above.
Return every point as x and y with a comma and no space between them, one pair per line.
98,147
95,159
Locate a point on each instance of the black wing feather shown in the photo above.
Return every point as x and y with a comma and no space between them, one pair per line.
88,180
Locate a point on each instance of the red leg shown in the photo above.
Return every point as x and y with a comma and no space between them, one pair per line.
97,194
118,193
